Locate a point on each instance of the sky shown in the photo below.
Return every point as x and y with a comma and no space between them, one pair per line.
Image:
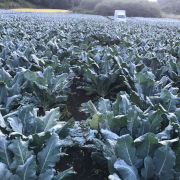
153,0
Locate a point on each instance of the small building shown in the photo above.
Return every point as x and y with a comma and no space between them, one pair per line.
120,15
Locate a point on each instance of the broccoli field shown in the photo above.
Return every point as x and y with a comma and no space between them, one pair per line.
84,98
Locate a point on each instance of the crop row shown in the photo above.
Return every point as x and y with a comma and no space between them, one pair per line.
75,81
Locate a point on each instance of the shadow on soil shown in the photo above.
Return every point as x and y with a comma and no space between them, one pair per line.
81,160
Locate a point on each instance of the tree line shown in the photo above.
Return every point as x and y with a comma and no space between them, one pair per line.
170,6
61,4
106,7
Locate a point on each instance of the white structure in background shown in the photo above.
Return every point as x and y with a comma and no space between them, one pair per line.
120,15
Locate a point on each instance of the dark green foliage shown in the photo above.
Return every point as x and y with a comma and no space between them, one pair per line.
89,5
103,7
133,9
58,4
170,6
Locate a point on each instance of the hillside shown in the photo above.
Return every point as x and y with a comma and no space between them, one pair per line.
170,6
8,4
166,8
84,98
60,4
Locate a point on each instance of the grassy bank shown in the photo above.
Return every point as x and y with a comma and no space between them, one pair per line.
173,16
41,10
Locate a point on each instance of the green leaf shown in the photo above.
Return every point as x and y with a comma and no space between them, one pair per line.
61,83
28,170
170,100
38,140
109,134
155,119
169,142
50,119
2,122
105,120
104,105
46,98
126,172
31,123
137,100
166,133
164,161
148,171
133,121
65,175
29,75
35,59
178,68
47,175
111,160
122,104
144,84
144,128
15,124
48,157
94,123
142,78
145,144
3,93
13,101
48,73
5,155
91,108
5,77
5,174
125,149
99,159
177,113
21,152
64,131
92,75
176,149
114,177
33,77
118,122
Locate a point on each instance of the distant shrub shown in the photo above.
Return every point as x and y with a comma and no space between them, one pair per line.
133,9
89,4
105,9
82,11
170,6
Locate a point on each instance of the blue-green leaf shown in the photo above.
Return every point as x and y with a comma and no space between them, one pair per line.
126,171
27,170
164,161
48,157
125,149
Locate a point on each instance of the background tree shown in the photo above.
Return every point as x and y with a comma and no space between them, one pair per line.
170,6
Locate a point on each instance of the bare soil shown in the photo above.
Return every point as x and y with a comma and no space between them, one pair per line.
75,99
81,160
